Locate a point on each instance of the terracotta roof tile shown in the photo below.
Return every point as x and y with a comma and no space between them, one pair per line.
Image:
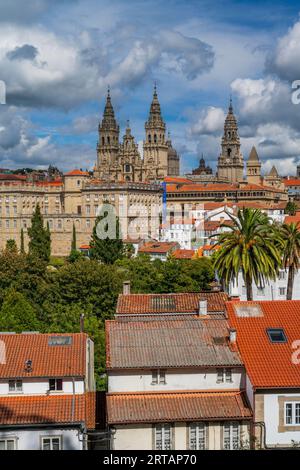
47,360
176,406
158,247
170,303
45,409
171,343
269,365
77,173
183,254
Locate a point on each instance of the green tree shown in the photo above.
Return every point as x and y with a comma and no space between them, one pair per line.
11,246
40,240
74,243
248,246
106,242
291,208
22,244
291,253
17,314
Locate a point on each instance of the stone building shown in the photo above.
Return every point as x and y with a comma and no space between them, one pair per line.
75,199
122,161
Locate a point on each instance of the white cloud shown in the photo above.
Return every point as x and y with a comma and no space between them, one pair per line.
211,121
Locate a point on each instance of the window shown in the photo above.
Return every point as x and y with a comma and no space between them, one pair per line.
55,385
292,413
88,210
163,437
276,335
231,436
282,291
282,275
158,377
224,375
15,386
197,436
51,443
7,444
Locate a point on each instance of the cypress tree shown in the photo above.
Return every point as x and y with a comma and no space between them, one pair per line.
74,243
108,247
22,246
40,240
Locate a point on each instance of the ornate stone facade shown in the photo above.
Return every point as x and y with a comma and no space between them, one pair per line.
231,161
122,161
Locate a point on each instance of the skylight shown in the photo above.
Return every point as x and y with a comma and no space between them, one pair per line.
59,340
276,335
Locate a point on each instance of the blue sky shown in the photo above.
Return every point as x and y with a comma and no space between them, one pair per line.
57,58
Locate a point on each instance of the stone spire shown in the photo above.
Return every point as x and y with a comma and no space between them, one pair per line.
155,119
231,162
109,122
253,167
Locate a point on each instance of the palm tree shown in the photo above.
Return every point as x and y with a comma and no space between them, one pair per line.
291,253
247,246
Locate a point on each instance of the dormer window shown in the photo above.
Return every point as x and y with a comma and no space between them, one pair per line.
15,386
224,375
276,335
158,377
55,385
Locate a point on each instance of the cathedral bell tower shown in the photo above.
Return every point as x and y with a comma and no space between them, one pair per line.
155,144
231,162
108,143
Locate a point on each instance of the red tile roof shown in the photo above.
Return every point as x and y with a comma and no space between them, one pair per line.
77,173
292,182
54,409
169,342
289,219
170,303
158,247
183,254
47,360
176,406
268,365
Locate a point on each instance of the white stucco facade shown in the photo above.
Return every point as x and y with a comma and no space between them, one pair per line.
36,386
176,379
31,438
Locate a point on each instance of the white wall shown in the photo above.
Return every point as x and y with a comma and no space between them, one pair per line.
271,289
41,386
29,439
271,416
140,436
249,391
178,379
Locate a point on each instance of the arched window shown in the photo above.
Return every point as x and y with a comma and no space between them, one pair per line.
108,140
228,152
149,138
155,138
103,141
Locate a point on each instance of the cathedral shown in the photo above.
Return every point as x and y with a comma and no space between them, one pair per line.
121,161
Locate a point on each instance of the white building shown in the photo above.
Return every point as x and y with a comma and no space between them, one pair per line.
47,399
267,336
272,290
173,380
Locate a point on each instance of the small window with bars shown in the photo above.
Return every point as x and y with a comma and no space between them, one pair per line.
158,377
231,436
163,437
15,386
197,436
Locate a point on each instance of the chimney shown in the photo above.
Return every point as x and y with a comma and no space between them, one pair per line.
232,336
126,287
203,307
82,323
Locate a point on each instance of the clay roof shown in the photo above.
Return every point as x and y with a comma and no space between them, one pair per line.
11,177
183,254
289,219
268,365
169,342
47,360
170,303
292,182
48,409
176,406
219,187
77,173
158,247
